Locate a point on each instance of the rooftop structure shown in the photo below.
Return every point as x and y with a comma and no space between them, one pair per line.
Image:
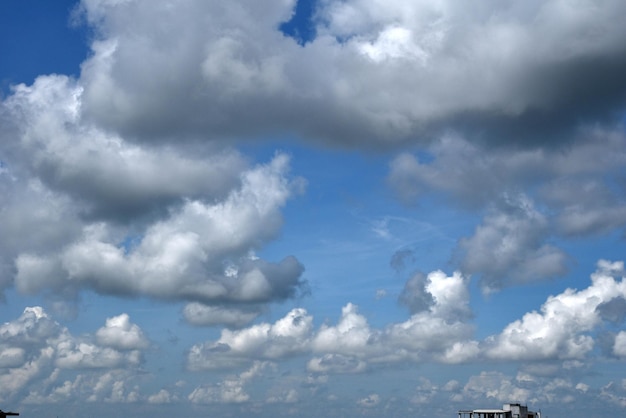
509,410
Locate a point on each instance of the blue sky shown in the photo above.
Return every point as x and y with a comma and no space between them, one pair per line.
332,208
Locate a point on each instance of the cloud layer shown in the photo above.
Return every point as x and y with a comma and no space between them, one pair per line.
43,362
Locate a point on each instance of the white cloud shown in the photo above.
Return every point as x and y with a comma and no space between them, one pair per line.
286,337
79,355
461,352
289,396
162,397
351,335
229,390
497,386
119,333
440,332
38,353
33,326
15,379
560,330
619,347
424,392
442,327
109,216
369,401
181,256
111,387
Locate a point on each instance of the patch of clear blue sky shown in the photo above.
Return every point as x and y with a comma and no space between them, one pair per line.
301,26
347,226
37,37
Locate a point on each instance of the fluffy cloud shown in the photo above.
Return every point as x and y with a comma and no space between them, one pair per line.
440,331
230,390
287,336
119,333
424,392
537,194
106,175
83,185
38,351
207,70
509,247
369,401
108,217
111,387
351,335
619,348
444,296
83,355
497,386
181,257
561,330
162,397
289,396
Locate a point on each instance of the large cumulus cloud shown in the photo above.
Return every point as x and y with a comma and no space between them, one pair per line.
563,327
198,252
374,73
85,208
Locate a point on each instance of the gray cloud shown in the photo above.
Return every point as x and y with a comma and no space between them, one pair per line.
105,175
530,196
88,209
229,316
503,72
414,294
400,258
613,310
508,248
